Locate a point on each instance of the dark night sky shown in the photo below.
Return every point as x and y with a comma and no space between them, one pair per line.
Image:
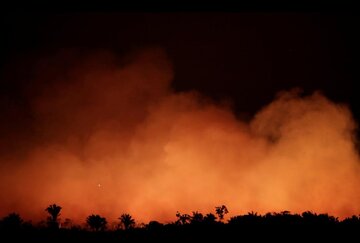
244,57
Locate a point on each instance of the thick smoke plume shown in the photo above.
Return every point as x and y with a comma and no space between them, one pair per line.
110,136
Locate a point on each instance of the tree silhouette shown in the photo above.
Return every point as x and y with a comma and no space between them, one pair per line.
96,222
221,211
197,217
325,218
268,227
127,221
182,218
13,221
54,211
353,220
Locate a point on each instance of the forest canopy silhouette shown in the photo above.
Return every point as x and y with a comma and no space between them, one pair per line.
193,227
109,134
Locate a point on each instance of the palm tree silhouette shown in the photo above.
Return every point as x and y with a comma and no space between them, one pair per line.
127,221
96,222
54,211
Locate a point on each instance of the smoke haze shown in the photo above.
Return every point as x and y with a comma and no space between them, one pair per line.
111,136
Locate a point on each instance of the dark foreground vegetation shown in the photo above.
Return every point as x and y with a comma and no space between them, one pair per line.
197,227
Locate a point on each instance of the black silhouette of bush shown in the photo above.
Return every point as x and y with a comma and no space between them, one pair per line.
96,222
12,222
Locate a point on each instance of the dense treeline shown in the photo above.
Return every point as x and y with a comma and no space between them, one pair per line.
195,227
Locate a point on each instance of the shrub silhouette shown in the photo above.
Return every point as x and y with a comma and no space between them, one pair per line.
210,218
252,218
353,220
182,218
68,223
313,218
197,218
154,225
12,222
96,222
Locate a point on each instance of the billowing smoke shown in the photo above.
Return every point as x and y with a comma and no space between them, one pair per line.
110,136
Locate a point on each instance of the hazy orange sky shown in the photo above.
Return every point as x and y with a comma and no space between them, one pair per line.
113,137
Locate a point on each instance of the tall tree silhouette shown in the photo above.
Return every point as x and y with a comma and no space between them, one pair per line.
127,221
53,219
96,222
221,211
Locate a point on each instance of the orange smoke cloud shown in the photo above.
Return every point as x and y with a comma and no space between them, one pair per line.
113,137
